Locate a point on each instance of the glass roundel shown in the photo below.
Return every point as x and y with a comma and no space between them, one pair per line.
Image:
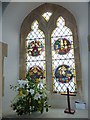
36,72
62,46
35,48
63,73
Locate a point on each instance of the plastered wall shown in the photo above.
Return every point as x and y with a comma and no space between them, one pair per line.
0,60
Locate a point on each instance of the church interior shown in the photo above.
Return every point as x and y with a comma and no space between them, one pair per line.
58,53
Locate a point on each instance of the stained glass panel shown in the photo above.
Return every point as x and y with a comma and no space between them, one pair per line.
35,48
35,52
36,72
62,46
63,63
63,73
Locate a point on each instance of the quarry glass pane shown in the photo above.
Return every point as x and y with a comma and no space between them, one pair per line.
35,52
63,62
47,16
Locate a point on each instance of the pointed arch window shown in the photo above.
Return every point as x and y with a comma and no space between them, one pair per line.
35,52
63,61
48,48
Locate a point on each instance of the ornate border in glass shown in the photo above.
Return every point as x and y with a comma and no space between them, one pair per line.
63,62
35,53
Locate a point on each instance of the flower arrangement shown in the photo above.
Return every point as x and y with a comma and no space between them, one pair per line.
32,96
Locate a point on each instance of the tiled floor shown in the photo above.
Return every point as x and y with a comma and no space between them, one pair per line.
53,113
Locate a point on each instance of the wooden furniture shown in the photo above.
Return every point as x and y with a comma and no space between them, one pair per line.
69,110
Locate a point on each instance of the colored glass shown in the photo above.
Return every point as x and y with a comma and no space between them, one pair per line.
63,62
63,73
35,52
36,72
35,48
62,46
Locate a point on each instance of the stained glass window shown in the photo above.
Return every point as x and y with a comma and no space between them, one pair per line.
47,16
48,49
63,62
35,52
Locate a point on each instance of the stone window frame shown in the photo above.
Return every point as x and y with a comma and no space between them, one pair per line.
70,21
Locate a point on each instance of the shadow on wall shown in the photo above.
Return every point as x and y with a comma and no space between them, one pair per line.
4,5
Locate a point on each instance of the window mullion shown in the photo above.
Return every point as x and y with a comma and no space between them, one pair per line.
48,61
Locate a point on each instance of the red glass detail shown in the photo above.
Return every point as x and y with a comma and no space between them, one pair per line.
36,72
35,48
62,46
63,73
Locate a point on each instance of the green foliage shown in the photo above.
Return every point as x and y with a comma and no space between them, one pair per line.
31,96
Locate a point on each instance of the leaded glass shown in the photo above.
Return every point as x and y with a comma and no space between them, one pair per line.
36,72
35,48
62,46
35,52
47,16
63,63
63,74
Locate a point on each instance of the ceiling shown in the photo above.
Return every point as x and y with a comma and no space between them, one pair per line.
45,0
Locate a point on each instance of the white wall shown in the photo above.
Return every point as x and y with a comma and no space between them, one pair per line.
0,21
0,60
89,57
12,18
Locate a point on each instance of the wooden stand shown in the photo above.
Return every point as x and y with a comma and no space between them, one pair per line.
69,110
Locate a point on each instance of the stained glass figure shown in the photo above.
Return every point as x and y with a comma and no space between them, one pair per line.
47,16
35,52
62,46
63,73
63,62
35,48
36,72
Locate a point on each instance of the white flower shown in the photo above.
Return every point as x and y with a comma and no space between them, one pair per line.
17,88
27,90
22,83
40,85
37,96
26,82
31,91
